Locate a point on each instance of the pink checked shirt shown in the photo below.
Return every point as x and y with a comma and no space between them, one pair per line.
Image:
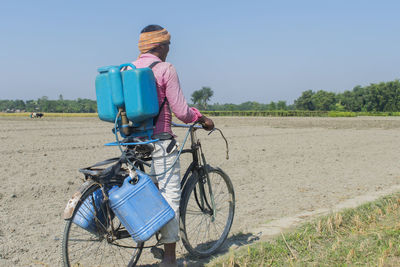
168,86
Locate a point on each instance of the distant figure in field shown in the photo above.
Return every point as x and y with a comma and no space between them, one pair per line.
36,115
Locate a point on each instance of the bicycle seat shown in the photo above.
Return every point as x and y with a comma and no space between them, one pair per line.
92,172
103,174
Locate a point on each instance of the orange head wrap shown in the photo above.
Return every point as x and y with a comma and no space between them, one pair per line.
151,40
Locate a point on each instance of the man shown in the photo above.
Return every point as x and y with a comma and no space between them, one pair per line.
154,44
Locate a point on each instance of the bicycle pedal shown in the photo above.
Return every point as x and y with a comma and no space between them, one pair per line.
158,253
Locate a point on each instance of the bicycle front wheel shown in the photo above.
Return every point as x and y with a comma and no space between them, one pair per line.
95,237
206,217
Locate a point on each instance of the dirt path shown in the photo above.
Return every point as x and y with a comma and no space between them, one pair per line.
280,167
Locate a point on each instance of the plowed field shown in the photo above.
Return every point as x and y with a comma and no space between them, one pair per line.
280,167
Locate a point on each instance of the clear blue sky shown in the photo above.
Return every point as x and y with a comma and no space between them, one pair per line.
244,50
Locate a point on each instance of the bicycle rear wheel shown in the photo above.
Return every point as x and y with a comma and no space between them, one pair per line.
95,237
204,228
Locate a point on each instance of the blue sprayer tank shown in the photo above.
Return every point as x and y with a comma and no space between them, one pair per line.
133,90
140,207
106,108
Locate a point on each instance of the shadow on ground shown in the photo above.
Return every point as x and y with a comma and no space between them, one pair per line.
233,242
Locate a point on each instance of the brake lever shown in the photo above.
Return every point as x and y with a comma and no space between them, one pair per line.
212,131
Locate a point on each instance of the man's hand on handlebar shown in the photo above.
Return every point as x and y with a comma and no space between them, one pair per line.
207,123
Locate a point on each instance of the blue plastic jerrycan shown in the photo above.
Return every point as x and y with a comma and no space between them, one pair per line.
140,94
85,216
140,207
106,108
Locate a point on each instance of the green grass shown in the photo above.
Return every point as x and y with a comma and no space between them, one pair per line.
272,113
296,113
357,114
342,114
366,236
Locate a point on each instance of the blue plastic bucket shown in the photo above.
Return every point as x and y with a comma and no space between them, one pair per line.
140,207
85,216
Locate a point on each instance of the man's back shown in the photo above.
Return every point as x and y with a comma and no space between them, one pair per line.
169,90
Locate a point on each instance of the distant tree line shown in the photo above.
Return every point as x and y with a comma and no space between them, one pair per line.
200,99
251,105
43,104
382,97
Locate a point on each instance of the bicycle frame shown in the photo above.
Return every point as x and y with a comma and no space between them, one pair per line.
198,169
197,192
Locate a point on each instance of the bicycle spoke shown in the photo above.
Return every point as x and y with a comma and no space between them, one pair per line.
79,249
102,255
84,252
119,251
198,232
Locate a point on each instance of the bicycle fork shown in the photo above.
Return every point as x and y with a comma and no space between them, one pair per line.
213,208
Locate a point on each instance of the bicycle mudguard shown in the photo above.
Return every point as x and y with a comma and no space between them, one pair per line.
190,171
186,175
70,208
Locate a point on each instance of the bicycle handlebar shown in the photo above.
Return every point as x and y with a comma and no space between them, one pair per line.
194,125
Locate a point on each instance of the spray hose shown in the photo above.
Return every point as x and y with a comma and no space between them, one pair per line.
124,154
133,165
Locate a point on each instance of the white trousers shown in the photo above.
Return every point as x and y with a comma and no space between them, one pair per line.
169,185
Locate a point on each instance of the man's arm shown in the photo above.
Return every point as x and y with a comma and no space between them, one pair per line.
176,99
178,104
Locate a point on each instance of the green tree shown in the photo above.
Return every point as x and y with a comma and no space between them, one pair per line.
323,100
272,105
250,105
383,96
31,105
201,97
339,107
304,102
19,104
196,97
281,105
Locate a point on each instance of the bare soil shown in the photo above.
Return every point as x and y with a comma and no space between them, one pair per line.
280,167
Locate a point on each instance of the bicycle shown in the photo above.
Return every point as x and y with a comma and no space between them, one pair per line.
206,209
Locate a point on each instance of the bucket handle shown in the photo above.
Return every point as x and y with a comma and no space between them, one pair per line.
127,180
127,65
130,180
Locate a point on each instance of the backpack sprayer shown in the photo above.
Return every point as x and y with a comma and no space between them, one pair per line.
128,96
